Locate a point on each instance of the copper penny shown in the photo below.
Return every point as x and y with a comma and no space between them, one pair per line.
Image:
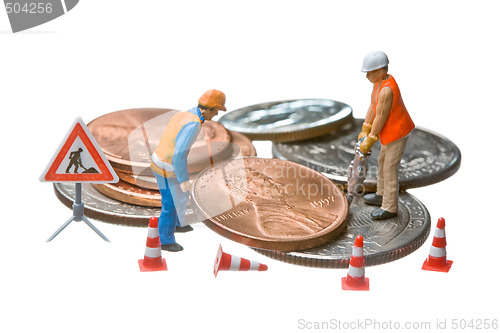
129,137
145,182
270,203
128,193
241,147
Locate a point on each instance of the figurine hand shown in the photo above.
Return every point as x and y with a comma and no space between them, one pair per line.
365,130
186,186
367,145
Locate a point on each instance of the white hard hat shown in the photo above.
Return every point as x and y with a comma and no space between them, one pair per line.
374,60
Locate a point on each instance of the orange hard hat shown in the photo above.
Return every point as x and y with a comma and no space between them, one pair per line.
213,99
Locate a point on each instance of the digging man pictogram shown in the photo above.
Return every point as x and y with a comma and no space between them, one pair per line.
75,159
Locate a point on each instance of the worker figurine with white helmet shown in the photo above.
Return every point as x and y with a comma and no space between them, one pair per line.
169,163
388,120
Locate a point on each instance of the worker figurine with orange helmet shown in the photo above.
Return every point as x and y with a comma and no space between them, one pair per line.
169,164
388,120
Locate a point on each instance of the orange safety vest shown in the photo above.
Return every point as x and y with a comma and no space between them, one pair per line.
168,146
399,123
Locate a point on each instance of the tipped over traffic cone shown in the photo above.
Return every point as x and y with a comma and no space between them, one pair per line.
227,262
437,255
152,256
355,279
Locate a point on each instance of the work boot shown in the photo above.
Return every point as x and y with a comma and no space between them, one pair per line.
186,228
381,214
373,199
172,247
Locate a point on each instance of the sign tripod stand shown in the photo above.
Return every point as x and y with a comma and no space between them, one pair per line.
78,215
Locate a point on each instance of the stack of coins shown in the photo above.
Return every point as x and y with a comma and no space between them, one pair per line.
289,207
129,137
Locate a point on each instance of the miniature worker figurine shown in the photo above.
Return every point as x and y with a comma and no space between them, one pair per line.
387,119
169,163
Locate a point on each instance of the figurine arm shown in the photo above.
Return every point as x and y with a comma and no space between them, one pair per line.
383,108
183,142
370,115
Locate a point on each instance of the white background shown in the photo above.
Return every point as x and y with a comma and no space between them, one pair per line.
105,56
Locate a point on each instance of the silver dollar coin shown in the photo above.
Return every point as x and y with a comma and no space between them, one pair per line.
100,207
384,241
289,120
428,158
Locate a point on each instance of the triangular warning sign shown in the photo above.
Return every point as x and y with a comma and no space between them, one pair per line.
79,159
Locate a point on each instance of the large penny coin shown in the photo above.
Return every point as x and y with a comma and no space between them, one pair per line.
270,203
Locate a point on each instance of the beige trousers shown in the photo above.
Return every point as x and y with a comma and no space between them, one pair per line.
387,182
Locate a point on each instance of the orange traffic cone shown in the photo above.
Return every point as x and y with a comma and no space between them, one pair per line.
437,255
227,262
152,257
355,279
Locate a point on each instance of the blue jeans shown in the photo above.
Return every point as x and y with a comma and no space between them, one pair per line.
173,207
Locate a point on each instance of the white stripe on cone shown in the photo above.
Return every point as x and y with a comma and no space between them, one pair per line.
153,233
356,271
357,251
439,233
152,252
235,263
254,265
437,252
